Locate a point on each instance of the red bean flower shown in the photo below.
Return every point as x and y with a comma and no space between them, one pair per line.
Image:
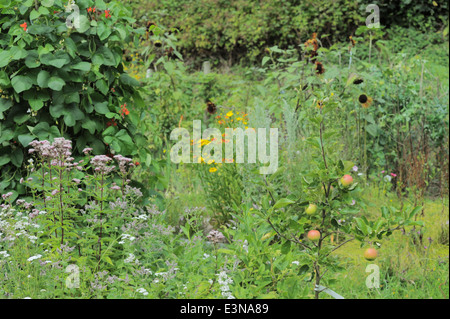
123,110
24,26
107,15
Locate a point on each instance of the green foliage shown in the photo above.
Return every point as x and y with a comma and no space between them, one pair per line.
241,30
62,81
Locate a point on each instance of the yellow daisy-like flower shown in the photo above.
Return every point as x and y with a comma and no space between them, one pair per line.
230,114
200,160
210,161
212,169
205,142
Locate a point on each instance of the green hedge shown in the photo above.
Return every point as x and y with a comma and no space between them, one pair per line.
231,30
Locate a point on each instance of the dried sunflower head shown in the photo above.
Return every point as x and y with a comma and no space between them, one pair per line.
365,100
319,68
211,108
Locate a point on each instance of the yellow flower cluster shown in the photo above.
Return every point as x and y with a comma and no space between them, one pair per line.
232,118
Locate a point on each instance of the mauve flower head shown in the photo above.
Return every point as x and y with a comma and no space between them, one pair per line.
393,175
215,236
87,150
355,168
99,162
60,149
123,161
7,195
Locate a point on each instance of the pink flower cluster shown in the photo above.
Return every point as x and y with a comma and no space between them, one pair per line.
215,236
123,161
58,153
59,149
100,164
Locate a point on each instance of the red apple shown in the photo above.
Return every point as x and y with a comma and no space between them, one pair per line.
313,235
346,180
370,254
311,210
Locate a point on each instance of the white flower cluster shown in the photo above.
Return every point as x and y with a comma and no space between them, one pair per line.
141,217
131,259
128,237
34,258
142,291
4,254
224,283
245,246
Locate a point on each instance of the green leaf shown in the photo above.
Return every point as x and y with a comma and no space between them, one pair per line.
104,56
101,107
43,11
17,157
21,83
43,78
362,226
372,129
415,211
36,104
82,66
17,53
21,118
226,251
73,97
4,159
71,47
5,57
5,3
102,86
385,212
34,14
4,79
38,29
84,24
103,31
32,60
47,3
128,80
44,131
5,104
283,203
265,60
90,125
57,60
56,83
123,136
25,139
